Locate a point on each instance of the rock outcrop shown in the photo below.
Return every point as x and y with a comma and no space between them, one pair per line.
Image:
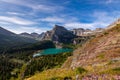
59,35
86,32
78,32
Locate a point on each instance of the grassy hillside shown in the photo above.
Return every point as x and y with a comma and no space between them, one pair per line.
100,55
53,74
45,62
104,47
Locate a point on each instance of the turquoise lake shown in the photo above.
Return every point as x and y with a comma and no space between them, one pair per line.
52,51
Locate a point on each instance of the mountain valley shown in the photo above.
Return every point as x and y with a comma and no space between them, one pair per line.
95,54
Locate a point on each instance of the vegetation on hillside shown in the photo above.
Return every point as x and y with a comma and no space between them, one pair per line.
35,46
12,60
45,62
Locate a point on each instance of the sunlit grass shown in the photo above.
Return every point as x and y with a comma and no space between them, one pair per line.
53,73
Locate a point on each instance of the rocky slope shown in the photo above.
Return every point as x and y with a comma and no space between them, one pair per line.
86,32
100,56
103,48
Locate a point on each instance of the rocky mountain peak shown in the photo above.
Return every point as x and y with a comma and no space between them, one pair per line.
59,34
57,27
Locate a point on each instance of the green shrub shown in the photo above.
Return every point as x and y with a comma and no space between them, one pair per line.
112,71
80,70
70,46
101,56
67,78
105,33
112,61
116,69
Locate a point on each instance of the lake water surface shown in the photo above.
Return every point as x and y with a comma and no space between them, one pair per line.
52,51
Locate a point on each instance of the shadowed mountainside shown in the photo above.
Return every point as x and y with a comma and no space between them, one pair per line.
10,39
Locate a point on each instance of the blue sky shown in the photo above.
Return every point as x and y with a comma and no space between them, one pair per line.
41,15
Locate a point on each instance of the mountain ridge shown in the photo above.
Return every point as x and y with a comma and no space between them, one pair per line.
33,35
10,39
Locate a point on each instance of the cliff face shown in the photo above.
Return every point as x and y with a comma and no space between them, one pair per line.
79,31
59,35
101,49
86,32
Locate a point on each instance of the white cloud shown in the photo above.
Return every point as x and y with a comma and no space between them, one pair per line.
84,25
103,16
58,19
34,6
106,17
72,22
2,22
16,13
101,19
30,29
53,19
78,25
46,8
67,2
16,20
110,1
21,29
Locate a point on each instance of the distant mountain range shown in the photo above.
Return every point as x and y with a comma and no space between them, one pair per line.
58,34
34,35
10,39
